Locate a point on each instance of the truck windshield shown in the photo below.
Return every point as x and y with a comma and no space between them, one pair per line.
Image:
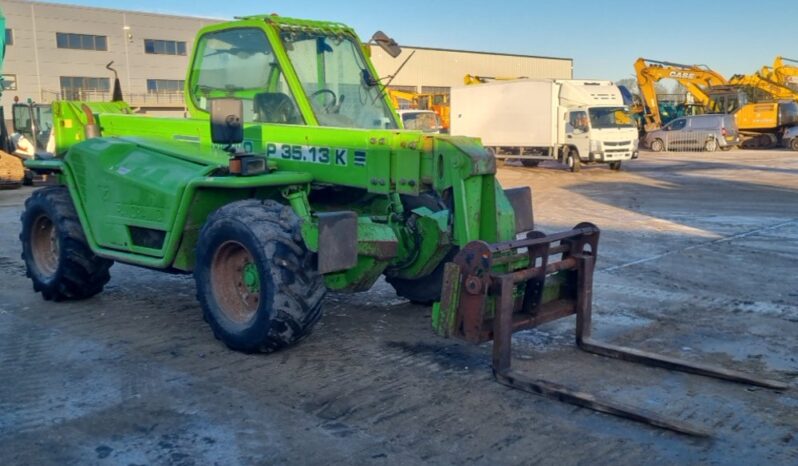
337,81
610,117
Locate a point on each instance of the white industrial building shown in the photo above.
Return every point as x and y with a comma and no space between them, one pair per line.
61,51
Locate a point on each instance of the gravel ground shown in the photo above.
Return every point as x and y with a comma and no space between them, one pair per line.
697,260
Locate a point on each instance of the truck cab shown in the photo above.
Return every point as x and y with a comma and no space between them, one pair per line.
597,124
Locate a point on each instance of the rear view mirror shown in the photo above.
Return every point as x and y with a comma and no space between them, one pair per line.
226,121
386,43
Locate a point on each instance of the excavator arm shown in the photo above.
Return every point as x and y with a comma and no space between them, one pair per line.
785,72
772,88
694,78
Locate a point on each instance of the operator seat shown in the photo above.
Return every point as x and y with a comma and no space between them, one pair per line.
275,107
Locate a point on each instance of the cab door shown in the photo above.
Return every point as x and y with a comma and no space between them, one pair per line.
577,133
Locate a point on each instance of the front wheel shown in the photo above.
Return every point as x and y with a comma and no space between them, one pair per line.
657,145
256,281
57,256
793,144
616,166
572,161
425,290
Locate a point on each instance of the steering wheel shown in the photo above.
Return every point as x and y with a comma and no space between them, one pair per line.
329,107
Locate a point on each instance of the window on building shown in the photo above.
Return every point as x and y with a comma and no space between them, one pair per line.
164,47
68,40
84,88
9,37
165,86
9,82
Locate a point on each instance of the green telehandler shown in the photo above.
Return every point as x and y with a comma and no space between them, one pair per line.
292,176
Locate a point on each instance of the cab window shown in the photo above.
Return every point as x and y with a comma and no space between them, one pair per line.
678,124
240,63
577,122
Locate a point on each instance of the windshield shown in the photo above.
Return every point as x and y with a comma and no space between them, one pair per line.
335,77
423,121
610,117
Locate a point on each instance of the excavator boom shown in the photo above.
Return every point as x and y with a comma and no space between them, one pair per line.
695,78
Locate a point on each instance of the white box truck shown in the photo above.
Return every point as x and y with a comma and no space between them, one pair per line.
572,121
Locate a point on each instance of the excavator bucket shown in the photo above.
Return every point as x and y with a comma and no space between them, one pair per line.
491,291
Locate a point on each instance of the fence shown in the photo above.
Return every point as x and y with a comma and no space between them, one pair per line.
148,99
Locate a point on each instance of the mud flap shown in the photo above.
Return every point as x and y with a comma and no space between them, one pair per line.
337,241
521,200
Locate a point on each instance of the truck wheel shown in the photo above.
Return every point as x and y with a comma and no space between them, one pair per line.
711,145
57,257
572,161
256,281
615,166
794,144
657,145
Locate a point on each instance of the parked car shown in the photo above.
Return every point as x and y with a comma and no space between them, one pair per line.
790,138
697,132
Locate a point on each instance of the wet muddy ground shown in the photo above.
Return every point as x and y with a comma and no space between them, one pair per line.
698,259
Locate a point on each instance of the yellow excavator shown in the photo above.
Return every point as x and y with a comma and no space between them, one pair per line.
784,71
436,102
694,78
764,83
760,115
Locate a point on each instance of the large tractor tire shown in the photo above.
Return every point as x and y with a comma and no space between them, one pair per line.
12,172
57,257
256,281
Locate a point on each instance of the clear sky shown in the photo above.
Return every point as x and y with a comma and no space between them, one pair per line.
603,37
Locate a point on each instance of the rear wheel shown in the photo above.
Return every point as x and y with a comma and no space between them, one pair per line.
256,282
793,144
711,145
57,256
657,145
615,166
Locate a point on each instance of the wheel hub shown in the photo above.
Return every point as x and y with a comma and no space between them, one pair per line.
235,281
44,245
